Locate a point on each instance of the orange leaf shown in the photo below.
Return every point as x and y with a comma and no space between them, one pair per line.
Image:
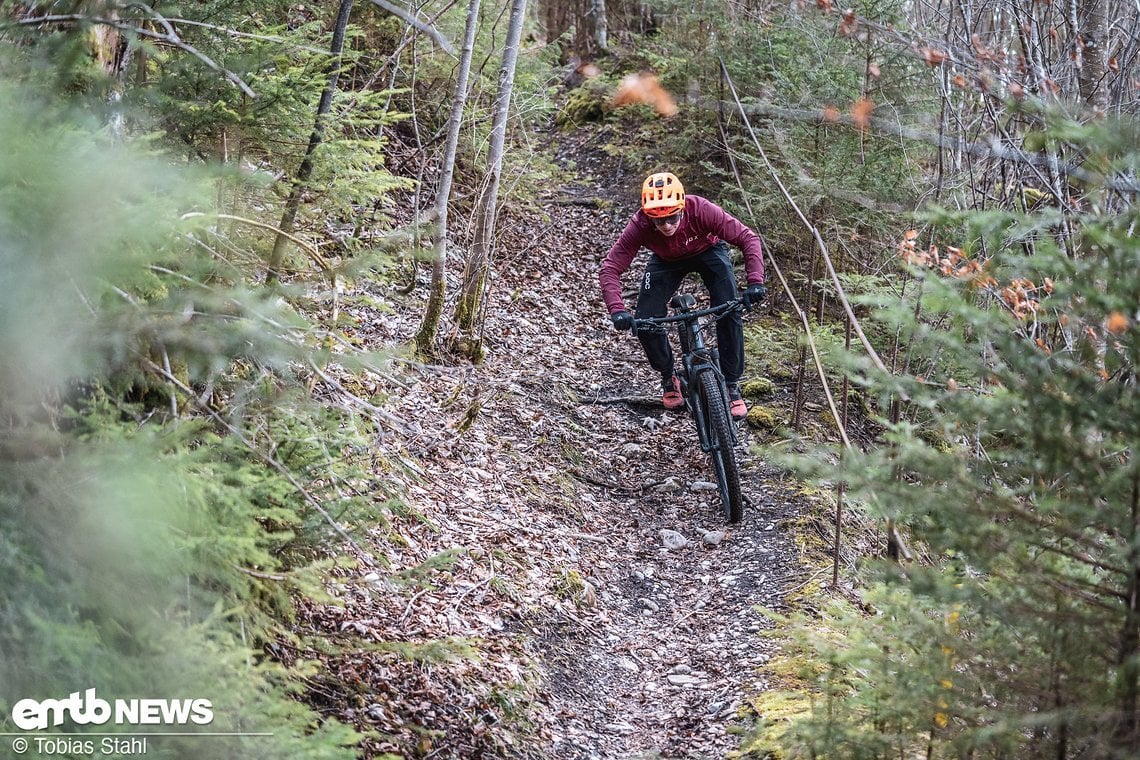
861,112
849,24
823,5
960,81
646,89
1116,323
932,56
910,235
830,113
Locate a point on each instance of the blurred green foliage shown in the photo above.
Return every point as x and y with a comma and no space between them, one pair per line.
152,544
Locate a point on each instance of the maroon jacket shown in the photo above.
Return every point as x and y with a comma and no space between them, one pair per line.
703,225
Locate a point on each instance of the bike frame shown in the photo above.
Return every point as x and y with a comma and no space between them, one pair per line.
696,357
701,380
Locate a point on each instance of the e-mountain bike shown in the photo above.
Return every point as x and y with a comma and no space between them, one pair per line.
705,392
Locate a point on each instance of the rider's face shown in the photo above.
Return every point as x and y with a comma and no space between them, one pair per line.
668,225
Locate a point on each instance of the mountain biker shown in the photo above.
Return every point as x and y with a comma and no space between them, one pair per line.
684,233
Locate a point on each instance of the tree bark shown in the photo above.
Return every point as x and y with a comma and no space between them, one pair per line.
600,25
425,338
305,171
1128,677
1092,73
482,248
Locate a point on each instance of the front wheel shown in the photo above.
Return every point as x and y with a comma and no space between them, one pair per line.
718,433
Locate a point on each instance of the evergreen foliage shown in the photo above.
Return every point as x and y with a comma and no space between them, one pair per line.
1014,468
153,542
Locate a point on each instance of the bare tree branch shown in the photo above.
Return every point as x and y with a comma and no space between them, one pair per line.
169,37
414,22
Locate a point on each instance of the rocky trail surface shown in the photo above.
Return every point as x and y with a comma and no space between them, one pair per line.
581,582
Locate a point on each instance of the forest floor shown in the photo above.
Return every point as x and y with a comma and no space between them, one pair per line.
557,617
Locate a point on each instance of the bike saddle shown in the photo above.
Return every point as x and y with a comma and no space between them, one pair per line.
683,302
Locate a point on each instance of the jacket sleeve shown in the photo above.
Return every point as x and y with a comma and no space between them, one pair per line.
617,261
731,230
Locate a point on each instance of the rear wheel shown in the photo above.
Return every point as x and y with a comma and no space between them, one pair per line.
718,427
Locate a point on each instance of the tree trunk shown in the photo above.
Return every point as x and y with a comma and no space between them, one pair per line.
425,338
482,248
600,27
1092,73
1128,677
305,172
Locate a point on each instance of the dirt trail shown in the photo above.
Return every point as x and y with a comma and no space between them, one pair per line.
553,498
672,648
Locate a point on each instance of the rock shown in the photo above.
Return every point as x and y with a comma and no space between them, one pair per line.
672,484
681,679
713,537
626,663
672,539
650,422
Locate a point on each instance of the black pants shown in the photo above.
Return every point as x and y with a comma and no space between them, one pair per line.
662,279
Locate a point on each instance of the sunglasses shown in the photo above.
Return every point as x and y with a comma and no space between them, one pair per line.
661,221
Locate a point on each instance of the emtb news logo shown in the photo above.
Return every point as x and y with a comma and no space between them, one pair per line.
84,708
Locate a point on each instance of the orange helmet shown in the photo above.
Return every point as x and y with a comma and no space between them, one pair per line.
662,194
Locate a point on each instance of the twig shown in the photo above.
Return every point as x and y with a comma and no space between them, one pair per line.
312,252
393,421
537,531
609,484
170,38
638,400
264,576
456,604
415,23
412,601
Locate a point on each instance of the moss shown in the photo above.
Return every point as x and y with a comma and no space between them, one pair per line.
761,386
764,417
828,421
781,372
774,711
573,587
582,104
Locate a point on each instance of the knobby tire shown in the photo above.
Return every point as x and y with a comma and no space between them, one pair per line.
718,426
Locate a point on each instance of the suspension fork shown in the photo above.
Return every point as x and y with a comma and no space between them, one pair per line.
697,361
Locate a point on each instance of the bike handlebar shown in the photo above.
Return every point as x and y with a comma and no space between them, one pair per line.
683,316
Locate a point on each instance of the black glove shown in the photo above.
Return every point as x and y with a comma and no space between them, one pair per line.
754,295
622,320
